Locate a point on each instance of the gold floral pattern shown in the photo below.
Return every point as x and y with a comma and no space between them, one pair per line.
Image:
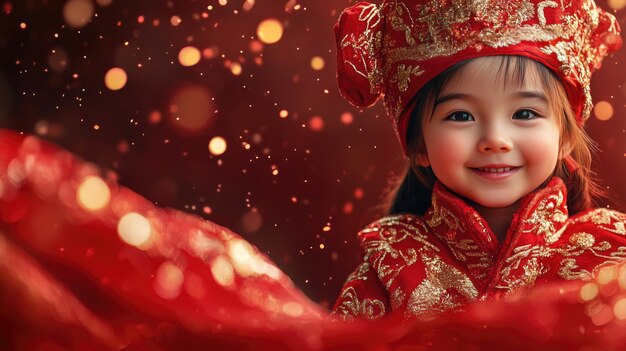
388,258
444,288
445,259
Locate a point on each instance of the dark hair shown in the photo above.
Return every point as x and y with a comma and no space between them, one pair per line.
413,193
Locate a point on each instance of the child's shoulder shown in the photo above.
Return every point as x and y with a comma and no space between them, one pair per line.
598,219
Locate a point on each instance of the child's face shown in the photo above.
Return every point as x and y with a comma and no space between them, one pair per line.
491,128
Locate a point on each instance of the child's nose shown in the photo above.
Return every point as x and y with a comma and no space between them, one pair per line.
495,140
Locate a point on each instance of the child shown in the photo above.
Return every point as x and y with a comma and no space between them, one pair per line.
488,99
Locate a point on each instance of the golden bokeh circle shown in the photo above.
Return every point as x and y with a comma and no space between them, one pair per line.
270,31
603,110
115,78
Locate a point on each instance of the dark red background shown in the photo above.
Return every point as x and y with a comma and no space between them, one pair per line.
326,171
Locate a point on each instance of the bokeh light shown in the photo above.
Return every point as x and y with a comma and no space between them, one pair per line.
606,275
77,13
175,20
270,31
255,46
168,280
248,5
619,308
601,314
93,194
243,257
283,113
603,110
348,207
358,193
210,53
223,272
617,4
134,229
217,146
192,110
589,291
316,123
621,278
317,63
189,56
347,118
155,117
236,69
115,78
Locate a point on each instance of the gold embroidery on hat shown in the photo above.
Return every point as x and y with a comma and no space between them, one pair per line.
403,75
367,45
541,8
443,28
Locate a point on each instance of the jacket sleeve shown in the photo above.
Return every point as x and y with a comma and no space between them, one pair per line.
362,296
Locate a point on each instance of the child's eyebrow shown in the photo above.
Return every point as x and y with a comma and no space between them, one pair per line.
516,95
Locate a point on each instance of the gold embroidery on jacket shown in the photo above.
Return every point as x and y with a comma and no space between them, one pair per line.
569,269
463,248
545,216
442,215
433,295
529,257
352,307
532,267
582,242
606,219
386,259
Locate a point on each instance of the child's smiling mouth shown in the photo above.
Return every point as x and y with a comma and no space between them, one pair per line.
496,171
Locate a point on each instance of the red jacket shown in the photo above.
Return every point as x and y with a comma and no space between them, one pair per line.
449,257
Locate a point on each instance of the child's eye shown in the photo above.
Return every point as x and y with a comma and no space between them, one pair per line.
525,114
460,116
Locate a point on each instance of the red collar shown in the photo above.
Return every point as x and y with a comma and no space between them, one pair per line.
538,220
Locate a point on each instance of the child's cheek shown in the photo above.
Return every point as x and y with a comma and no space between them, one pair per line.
541,150
449,149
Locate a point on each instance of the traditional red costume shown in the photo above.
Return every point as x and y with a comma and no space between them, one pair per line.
449,257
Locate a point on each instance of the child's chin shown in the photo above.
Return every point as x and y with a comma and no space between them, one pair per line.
496,202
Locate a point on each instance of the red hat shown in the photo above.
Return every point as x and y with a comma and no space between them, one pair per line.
395,48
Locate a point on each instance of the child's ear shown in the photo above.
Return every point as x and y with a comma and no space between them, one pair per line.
422,160
566,149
